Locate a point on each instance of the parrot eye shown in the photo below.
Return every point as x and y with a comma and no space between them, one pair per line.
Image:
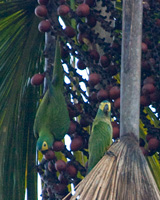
44,146
106,108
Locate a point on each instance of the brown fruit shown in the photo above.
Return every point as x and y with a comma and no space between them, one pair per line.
44,26
60,165
148,89
94,55
115,132
153,144
114,92
154,97
145,65
83,10
43,2
81,65
64,52
94,79
49,155
76,143
93,97
104,61
144,47
69,31
145,101
41,11
148,137
58,146
63,10
102,95
89,2
71,171
115,124
91,20
37,79
60,189
149,79
82,37
72,127
117,103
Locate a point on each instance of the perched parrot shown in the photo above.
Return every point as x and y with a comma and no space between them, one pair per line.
52,118
101,134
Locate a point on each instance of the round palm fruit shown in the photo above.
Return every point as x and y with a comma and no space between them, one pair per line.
49,155
154,97
104,61
43,2
148,89
85,120
81,65
60,189
44,26
116,132
94,55
114,92
63,10
93,97
58,146
51,167
37,79
60,165
117,103
71,170
89,2
149,80
64,52
144,151
102,95
63,179
41,11
83,10
76,143
145,101
69,31
144,47
148,137
91,20
94,79
145,65
72,127
153,144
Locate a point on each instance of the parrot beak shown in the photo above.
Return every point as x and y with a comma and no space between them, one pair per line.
106,109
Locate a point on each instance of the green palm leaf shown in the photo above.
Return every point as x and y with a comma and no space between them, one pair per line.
20,53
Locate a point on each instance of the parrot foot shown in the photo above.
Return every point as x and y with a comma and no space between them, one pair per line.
110,153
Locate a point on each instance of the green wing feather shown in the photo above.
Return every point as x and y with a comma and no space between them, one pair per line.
99,142
52,118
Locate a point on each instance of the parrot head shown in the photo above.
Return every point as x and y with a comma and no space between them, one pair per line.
105,108
44,143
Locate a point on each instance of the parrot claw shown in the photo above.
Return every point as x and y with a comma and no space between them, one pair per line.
110,153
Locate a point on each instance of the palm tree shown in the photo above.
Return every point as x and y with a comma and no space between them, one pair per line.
21,56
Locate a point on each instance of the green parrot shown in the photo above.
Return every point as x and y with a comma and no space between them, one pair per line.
52,118
101,134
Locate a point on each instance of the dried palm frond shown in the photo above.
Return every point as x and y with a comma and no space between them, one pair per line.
122,174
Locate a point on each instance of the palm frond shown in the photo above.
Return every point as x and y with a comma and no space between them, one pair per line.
20,52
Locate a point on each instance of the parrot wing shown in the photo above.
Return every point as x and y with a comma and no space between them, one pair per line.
52,115
99,142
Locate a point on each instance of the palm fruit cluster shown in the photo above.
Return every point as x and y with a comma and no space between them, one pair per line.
85,49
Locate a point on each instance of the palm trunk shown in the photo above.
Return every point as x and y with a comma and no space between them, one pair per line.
131,67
